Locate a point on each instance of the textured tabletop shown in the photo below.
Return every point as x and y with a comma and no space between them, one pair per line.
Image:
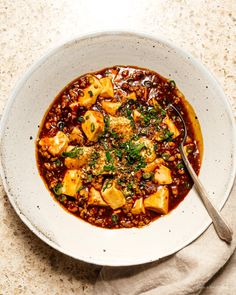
28,29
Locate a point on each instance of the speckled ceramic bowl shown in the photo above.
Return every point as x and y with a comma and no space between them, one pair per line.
63,231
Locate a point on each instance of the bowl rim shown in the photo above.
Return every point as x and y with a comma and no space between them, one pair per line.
78,38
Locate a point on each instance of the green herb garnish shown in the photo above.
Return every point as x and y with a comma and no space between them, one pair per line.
130,186
148,175
90,93
58,162
168,136
93,159
105,145
159,109
180,166
163,112
172,83
155,147
74,153
140,165
187,184
92,127
114,134
135,137
61,125
62,198
165,156
80,189
106,122
118,154
81,119
58,189
114,218
132,151
89,178
107,185
108,156
109,168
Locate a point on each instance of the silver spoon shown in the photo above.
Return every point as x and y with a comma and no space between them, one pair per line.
221,227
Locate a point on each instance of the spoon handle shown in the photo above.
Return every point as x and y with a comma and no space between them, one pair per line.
221,227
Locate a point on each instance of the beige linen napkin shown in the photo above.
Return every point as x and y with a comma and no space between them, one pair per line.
185,272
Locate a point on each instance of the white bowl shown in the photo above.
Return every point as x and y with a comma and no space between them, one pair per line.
63,231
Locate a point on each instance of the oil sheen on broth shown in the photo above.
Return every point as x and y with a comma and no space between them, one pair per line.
107,148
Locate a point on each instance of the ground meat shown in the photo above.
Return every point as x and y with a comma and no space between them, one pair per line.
122,165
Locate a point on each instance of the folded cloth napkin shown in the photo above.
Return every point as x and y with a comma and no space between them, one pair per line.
185,272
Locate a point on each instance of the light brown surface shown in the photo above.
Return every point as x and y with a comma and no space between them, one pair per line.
30,28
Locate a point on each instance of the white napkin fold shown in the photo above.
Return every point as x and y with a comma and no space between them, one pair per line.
185,272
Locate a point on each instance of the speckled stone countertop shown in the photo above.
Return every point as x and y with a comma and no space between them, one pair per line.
28,29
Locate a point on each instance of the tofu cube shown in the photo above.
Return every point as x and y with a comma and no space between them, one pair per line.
159,136
159,201
136,115
76,136
171,126
148,152
107,87
138,207
56,145
93,125
110,107
113,197
150,167
95,198
90,93
121,125
71,183
81,160
131,95
163,175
